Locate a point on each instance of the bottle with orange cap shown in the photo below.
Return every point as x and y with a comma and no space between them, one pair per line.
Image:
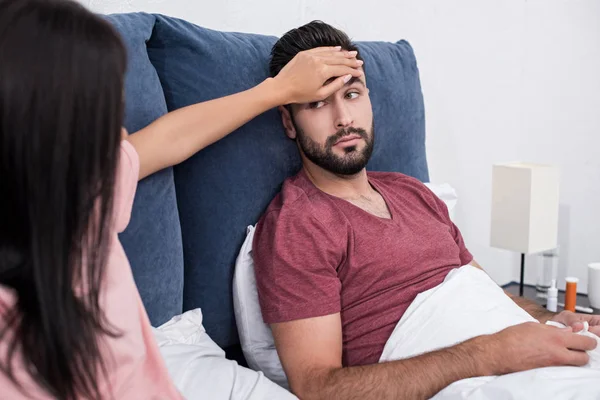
571,293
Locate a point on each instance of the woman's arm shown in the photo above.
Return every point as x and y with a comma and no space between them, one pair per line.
180,134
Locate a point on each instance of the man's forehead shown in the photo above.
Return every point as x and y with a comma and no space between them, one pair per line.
352,81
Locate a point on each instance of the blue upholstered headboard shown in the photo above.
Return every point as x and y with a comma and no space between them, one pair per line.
189,221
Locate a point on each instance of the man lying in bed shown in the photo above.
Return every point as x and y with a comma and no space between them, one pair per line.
340,255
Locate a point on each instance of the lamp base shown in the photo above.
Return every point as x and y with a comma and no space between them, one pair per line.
522,282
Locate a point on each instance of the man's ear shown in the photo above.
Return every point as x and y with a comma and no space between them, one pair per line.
288,124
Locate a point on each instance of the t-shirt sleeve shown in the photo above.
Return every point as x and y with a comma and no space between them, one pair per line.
465,256
296,259
128,173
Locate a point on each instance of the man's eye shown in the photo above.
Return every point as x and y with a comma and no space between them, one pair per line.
316,104
352,95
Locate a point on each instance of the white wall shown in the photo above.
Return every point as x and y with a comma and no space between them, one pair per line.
503,80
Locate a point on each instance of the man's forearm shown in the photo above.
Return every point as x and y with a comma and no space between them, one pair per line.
535,310
419,377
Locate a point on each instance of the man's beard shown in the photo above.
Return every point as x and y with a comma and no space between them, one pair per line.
351,163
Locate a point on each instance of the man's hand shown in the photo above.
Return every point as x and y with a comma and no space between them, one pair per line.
533,345
575,321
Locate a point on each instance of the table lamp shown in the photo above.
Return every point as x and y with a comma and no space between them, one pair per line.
524,209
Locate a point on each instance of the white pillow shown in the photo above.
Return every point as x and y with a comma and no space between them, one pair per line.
256,337
447,194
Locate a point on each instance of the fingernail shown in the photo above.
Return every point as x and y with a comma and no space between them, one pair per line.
353,52
338,47
360,62
347,78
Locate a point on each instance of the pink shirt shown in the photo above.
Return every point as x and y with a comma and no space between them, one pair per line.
135,367
316,254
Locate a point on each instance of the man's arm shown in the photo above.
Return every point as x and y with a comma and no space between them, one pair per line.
311,354
532,308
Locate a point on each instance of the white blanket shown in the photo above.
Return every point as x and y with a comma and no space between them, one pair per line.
468,304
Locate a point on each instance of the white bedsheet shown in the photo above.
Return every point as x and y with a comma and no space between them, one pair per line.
200,370
467,304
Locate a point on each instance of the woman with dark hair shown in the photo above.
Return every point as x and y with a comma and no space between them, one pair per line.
72,324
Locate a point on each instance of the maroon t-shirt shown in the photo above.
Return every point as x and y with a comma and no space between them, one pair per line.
316,254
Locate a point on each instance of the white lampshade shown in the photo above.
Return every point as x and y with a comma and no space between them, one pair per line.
524,207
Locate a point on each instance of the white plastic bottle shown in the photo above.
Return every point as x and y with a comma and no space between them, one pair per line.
552,300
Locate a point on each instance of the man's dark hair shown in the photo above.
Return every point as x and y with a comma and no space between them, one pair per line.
309,36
